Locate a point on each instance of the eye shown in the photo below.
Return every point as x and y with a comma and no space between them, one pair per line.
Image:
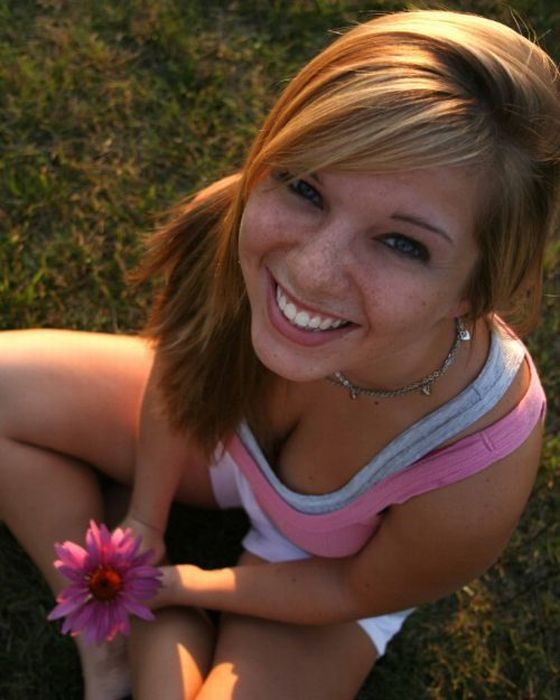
301,188
407,247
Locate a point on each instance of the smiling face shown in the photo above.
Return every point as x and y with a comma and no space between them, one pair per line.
358,272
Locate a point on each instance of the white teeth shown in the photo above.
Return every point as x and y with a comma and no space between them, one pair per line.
290,311
302,319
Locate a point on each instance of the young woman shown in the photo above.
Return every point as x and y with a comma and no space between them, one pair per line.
328,352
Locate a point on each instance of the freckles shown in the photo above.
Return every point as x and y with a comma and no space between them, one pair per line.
415,300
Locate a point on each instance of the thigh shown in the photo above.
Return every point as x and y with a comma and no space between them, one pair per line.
80,394
262,659
75,393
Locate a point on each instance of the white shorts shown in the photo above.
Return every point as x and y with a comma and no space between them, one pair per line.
232,490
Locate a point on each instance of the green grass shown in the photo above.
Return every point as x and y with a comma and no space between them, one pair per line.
110,112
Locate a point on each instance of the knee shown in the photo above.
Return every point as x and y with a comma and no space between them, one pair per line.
190,627
172,656
18,349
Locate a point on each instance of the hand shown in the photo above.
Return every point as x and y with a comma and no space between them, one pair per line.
152,537
174,586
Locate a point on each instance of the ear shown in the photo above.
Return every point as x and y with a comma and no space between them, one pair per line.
460,309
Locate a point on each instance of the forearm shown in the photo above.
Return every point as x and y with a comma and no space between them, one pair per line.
161,458
312,591
155,485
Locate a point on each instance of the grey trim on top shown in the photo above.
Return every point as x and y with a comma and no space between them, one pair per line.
504,358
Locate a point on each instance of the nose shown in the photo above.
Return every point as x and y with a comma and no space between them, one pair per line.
321,262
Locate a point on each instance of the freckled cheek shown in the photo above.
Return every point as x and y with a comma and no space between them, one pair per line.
250,238
259,235
393,302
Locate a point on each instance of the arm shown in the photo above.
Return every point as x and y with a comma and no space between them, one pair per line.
162,453
161,458
425,549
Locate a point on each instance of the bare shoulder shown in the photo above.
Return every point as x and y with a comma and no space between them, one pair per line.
495,497
468,523
437,542
491,500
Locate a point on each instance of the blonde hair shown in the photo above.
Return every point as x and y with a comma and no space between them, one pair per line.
403,91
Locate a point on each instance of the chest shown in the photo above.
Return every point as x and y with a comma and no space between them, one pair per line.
317,438
317,447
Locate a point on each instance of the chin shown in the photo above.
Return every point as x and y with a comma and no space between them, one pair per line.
289,366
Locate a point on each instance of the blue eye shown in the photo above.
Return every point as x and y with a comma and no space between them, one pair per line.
407,247
302,189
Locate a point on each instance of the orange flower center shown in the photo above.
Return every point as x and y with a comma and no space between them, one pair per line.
105,583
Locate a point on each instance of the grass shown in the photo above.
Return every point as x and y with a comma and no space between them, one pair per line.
110,112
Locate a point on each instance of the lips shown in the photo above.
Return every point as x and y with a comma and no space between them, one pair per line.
302,325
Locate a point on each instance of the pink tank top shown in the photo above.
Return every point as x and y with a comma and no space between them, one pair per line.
338,524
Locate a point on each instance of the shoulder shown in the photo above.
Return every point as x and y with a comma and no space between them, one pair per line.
476,514
490,501
461,528
524,380
436,542
440,540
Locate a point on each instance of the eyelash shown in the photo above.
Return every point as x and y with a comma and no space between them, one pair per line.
301,188
405,246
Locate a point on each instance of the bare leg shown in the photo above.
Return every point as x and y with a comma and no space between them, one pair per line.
171,656
74,496
257,659
69,405
67,401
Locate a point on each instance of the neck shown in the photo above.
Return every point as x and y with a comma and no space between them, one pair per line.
415,362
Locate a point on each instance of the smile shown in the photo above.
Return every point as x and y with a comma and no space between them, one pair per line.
303,318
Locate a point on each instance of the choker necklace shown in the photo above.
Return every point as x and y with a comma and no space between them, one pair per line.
424,385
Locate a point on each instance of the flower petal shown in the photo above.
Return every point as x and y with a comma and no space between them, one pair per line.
141,591
144,571
97,628
134,546
93,550
125,626
78,591
71,573
119,617
105,537
108,626
92,535
144,558
65,607
100,620
139,610
70,554
83,619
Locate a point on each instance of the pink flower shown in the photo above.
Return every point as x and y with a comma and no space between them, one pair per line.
108,579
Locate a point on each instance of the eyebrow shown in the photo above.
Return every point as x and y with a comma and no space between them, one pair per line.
424,224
